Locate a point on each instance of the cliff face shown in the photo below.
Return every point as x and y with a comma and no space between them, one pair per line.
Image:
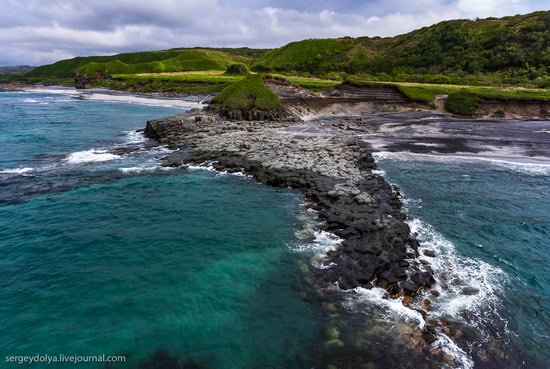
514,109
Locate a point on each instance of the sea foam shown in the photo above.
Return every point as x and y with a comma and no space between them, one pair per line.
521,165
90,156
16,170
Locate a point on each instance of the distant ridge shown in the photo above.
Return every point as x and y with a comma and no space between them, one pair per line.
17,69
517,44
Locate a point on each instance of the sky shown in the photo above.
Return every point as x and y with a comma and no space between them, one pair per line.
36,32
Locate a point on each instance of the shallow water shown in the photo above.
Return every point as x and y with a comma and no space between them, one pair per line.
103,252
489,224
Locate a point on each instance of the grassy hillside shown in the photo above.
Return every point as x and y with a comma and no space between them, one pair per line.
425,92
204,82
515,47
181,83
308,55
149,61
441,59
187,60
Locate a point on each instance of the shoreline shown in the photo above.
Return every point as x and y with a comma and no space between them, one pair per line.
106,95
334,170
345,100
205,137
379,258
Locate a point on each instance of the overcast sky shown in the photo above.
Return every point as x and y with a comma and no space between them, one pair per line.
42,31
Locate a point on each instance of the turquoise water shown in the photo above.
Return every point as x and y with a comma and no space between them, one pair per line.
106,253
102,251
496,219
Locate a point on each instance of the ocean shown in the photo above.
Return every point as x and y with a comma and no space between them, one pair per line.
488,222
104,251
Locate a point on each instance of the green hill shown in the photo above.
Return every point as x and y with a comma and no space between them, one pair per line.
520,42
173,60
187,60
507,51
316,56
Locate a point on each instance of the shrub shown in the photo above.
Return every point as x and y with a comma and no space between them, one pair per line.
463,103
238,69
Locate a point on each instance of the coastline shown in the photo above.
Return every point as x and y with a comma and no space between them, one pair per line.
379,256
333,153
338,176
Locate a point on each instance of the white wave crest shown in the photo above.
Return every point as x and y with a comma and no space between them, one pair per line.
116,97
322,243
134,137
16,170
209,167
531,166
138,169
465,284
450,348
90,156
392,308
144,100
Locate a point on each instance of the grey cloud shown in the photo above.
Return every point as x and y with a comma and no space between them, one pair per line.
37,32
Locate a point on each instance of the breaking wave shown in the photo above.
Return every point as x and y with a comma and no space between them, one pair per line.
530,168
90,156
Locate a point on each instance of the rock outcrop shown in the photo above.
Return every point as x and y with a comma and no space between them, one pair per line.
336,173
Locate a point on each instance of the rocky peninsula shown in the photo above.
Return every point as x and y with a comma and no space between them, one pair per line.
338,176
336,173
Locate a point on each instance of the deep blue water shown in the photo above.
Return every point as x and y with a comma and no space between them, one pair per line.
495,219
106,253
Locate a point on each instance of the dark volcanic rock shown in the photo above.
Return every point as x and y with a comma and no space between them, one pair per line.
429,253
334,170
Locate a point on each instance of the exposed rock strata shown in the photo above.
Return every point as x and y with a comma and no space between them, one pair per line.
334,170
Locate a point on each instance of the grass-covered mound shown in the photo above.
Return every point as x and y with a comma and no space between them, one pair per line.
237,69
249,99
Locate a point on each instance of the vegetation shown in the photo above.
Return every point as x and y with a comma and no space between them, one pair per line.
199,58
181,83
314,56
423,92
311,83
463,103
467,60
250,93
506,51
510,50
239,69
204,82
187,60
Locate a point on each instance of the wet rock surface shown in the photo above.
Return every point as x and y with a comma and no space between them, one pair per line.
333,168
330,160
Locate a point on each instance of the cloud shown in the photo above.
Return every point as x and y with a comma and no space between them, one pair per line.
38,32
